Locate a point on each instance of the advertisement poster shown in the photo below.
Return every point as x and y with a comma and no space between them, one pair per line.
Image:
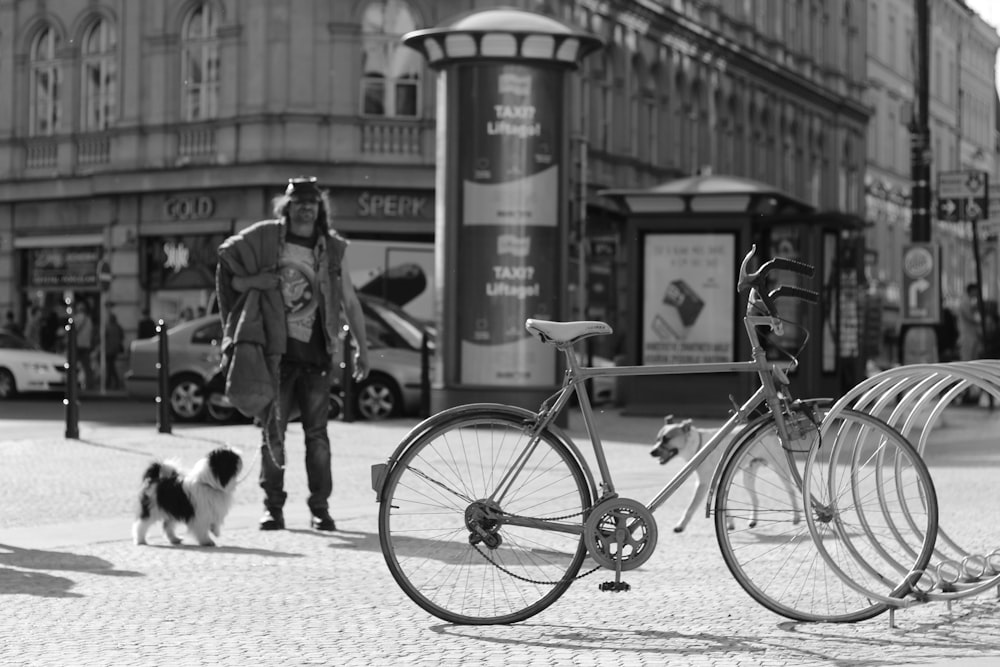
63,267
398,271
689,287
509,233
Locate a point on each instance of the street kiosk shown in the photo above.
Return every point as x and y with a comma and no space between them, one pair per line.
685,240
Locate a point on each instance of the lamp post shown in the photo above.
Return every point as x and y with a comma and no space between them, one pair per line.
502,215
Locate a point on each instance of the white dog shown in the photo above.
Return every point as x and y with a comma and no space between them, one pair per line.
682,438
201,498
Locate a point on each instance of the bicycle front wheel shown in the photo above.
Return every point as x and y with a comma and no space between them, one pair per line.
481,524
765,540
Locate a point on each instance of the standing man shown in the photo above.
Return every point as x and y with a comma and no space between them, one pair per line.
114,345
281,286
147,327
84,341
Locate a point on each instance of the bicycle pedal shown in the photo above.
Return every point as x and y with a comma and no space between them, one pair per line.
614,586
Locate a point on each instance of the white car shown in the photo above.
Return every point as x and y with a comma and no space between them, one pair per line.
24,368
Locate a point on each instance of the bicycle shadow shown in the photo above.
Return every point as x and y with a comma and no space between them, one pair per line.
944,639
449,553
20,571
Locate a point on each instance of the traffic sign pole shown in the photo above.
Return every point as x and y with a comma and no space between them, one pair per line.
919,341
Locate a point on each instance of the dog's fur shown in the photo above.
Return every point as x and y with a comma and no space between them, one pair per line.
200,498
683,439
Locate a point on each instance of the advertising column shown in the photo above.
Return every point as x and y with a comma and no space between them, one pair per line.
509,230
500,227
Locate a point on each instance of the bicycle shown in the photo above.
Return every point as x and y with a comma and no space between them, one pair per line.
488,511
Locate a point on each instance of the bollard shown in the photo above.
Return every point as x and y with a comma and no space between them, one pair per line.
347,378
163,380
425,375
72,386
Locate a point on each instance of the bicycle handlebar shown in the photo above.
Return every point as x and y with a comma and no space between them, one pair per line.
793,291
756,281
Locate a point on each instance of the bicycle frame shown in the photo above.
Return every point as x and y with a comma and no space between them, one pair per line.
573,382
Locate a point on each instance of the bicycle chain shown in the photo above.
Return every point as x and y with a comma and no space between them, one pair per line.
538,581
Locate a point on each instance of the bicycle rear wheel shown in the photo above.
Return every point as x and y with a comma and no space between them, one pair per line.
764,539
453,514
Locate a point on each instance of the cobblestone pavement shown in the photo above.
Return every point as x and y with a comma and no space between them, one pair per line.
75,591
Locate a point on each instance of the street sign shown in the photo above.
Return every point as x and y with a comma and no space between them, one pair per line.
963,195
104,274
921,283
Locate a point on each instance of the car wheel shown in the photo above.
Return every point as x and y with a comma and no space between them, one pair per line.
7,385
336,405
187,398
377,398
219,409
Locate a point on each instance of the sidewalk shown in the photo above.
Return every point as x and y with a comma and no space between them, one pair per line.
76,591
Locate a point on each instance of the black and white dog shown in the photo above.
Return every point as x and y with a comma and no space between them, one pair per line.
200,498
683,439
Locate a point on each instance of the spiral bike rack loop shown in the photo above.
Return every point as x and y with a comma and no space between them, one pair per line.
914,399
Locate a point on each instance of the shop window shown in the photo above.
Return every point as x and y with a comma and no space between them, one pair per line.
200,64
45,97
390,72
99,87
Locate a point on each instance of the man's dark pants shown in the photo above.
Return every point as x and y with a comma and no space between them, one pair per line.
308,388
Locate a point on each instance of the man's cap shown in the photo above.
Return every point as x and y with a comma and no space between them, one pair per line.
303,186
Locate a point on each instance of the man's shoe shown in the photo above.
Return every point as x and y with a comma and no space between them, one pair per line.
272,520
323,522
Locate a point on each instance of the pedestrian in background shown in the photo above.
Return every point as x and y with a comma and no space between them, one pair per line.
288,278
114,346
10,324
48,336
147,327
33,326
84,328
970,332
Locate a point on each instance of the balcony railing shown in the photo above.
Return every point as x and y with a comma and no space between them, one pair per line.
93,150
41,154
196,142
385,137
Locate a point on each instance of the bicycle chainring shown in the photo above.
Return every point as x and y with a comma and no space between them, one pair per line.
620,530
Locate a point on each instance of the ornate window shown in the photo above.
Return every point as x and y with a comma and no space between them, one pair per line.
99,88
45,103
200,64
390,72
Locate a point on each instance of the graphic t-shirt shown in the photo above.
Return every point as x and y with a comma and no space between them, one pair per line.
300,291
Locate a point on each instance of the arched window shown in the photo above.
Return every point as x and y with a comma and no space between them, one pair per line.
45,104
390,72
99,88
200,63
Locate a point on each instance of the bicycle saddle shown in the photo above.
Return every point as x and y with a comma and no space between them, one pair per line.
562,333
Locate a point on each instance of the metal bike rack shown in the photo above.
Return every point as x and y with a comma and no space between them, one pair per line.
912,399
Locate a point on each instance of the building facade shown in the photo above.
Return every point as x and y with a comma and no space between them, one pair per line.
963,117
141,133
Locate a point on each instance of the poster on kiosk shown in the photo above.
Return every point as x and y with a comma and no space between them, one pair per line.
509,232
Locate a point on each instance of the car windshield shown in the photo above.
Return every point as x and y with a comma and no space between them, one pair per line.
12,342
408,327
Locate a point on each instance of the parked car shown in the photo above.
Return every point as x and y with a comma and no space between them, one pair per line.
25,368
392,388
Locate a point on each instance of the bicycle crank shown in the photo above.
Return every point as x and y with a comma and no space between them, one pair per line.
620,534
